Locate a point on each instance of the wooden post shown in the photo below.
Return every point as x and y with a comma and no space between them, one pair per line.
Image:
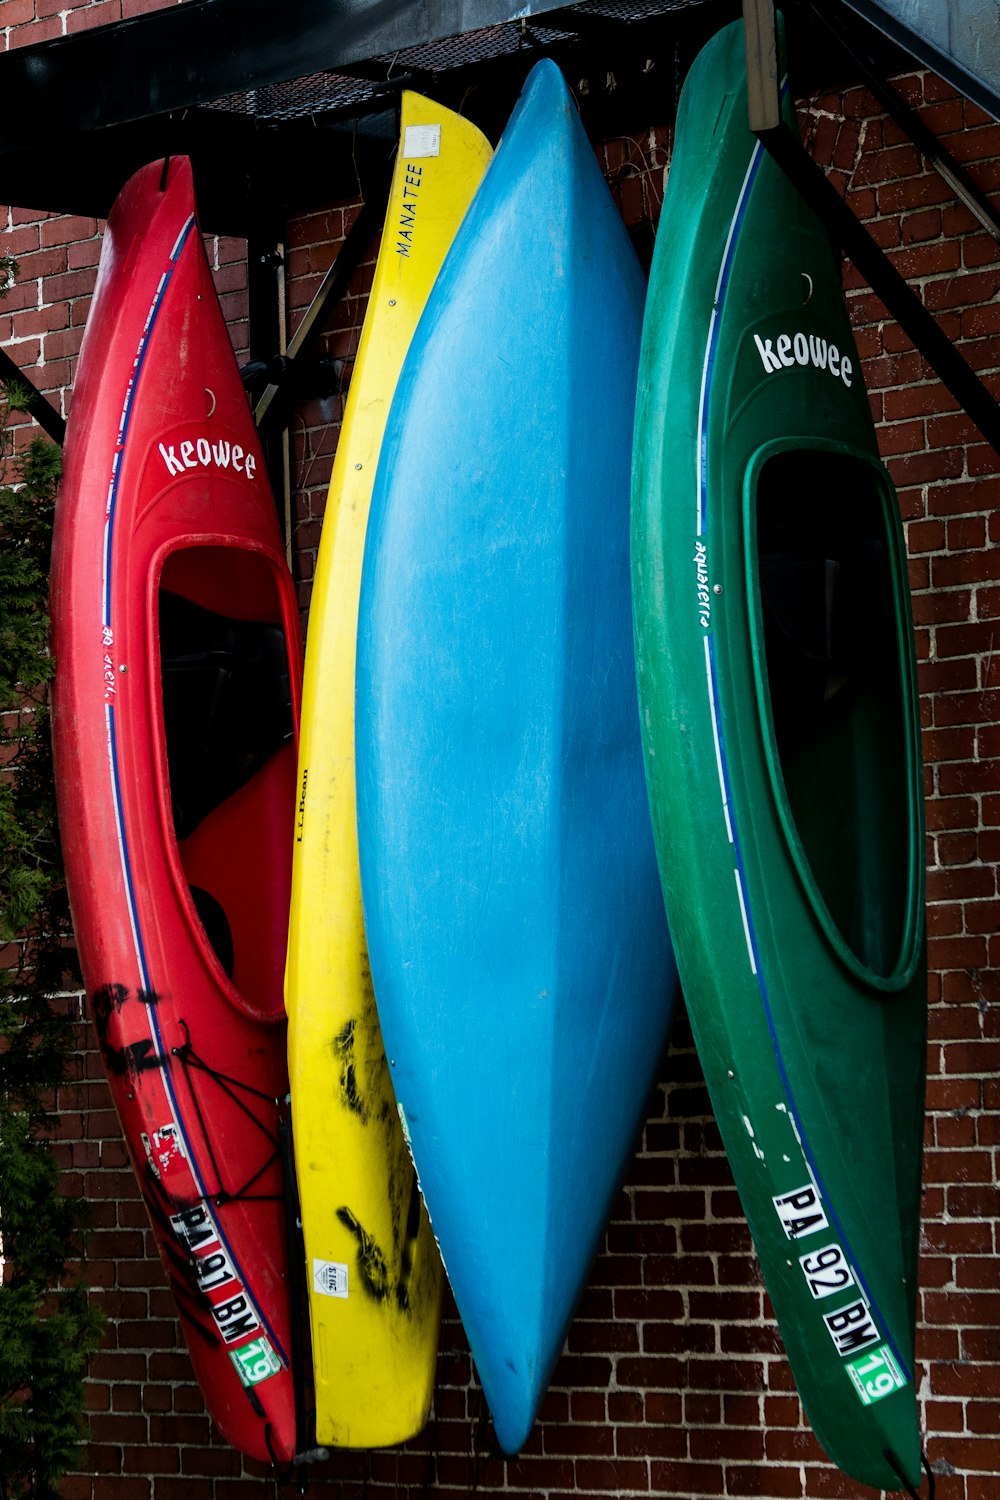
764,105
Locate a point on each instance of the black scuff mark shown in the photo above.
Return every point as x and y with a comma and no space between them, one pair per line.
371,1261
343,1046
105,1002
139,1057
108,999
409,1245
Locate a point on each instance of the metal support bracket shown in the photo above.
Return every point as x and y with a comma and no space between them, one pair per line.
901,301
910,122
847,230
39,407
330,290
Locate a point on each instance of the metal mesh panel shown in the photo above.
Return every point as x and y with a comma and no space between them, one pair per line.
323,92
622,10
478,46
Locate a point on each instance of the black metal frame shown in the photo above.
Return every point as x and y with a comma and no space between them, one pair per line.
957,178
104,101
38,406
181,57
912,42
847,230
133,90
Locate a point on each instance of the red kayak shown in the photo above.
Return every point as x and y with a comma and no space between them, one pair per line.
175,705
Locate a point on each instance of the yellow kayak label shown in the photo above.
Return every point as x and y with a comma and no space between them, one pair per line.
413,180
300,815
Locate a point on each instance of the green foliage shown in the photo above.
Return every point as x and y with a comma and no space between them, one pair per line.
25,535
47,1329
29,872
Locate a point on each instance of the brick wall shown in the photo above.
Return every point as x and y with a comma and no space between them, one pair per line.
673,1383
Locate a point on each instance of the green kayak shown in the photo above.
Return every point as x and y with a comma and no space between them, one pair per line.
777,686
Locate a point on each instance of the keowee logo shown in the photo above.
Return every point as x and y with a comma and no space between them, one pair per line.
804,349
199,453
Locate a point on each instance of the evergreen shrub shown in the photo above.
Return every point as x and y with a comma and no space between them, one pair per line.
48,1330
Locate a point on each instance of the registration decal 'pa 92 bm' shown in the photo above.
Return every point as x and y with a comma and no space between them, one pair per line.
801,1212
826,1271
852,1328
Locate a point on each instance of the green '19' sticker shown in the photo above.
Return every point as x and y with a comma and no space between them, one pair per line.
255,1362
876,1375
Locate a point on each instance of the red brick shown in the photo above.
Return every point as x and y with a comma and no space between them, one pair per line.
830,1484
67,230
982,459
677,1481
968,778
645,1442
770,1482
612,1475
974,1202
966,533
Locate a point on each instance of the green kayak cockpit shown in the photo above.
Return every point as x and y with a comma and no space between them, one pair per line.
827,593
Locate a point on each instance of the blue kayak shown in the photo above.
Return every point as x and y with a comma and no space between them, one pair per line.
518,944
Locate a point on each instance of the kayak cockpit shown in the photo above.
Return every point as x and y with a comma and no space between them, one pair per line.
828,594
228,738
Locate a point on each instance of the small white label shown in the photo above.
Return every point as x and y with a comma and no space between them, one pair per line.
421,140
329,1278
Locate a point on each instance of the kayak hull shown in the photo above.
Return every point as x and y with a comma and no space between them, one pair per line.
374,1317
517,938
175,699
777,685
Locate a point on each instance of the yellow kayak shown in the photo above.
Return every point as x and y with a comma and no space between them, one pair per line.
372,1267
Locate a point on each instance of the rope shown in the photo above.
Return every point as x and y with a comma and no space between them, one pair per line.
896,1468
189,1059
283,1476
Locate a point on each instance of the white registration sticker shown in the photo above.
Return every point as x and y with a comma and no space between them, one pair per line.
421,140
330,1278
